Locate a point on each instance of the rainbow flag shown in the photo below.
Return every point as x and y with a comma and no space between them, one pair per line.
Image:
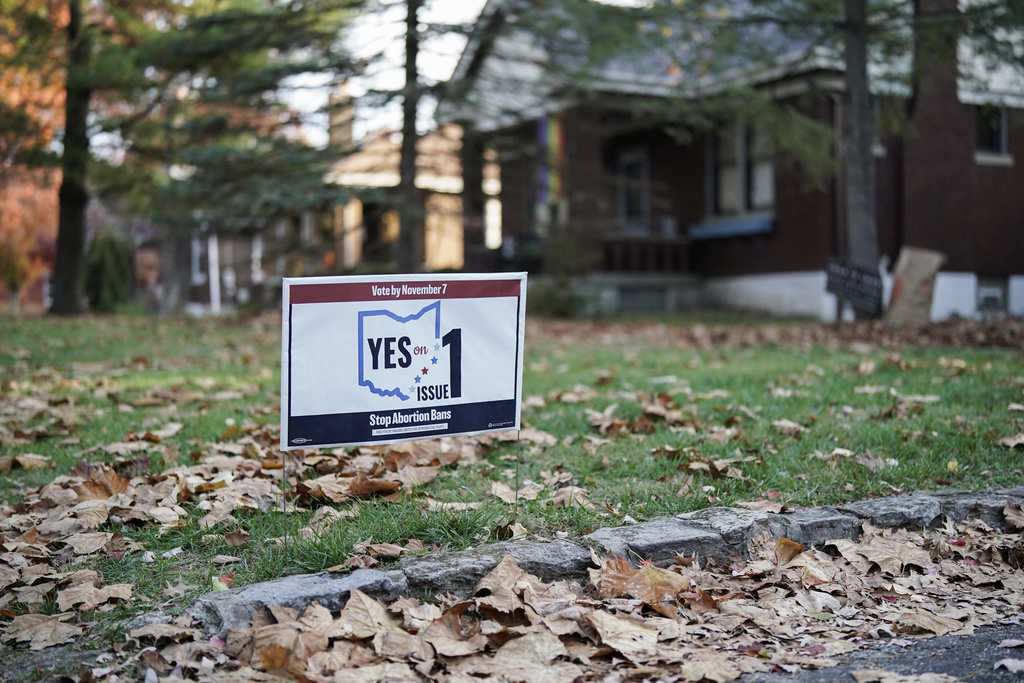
550,156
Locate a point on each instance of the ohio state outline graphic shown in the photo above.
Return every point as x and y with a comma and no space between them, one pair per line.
363,315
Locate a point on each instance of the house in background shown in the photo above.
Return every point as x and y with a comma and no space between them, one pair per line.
367,226
357,236
720,217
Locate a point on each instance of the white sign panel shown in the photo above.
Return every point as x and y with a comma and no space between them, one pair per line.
379,359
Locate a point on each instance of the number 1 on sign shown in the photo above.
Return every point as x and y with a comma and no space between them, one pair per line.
454,340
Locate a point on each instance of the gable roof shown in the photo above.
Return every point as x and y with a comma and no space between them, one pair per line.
508,74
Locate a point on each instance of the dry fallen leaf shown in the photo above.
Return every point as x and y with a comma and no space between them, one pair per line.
921,620
1014,666
365,487
531,658
386,550
365,616
1016,441
631,637
91,595
33,461
446,636
1013,515
876,463
278,660
710,666
497,589
762,505
788,427
569,496
658,588
237,538
41,630
87,543
508,494
160,632
786,551
438,506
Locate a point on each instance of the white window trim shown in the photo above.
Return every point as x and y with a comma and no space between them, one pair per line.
196,270
993,159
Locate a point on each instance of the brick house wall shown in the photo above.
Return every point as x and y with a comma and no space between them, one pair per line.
930,193
972,212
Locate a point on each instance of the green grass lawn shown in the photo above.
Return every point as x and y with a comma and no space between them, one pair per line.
643,431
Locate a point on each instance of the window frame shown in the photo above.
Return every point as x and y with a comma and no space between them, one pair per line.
743,138
636,225
748,220
986,153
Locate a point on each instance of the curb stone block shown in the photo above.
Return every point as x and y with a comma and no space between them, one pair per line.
29,665
459,572
815,526
234,608
910,511
714,533
660,541
737,526
961,505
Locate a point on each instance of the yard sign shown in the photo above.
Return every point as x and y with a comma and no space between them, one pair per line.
380,359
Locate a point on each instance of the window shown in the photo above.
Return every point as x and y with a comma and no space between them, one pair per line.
991,135
727,172
741,194
634,196
760,171
744,172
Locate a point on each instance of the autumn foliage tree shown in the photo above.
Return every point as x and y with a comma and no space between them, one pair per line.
28,223
31,112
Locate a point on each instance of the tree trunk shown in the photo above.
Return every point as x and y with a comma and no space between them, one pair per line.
858,134
67,271
473,199
14,301
410,211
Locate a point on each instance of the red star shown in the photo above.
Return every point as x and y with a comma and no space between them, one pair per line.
424,371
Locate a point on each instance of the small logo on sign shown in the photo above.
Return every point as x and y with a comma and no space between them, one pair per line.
301,439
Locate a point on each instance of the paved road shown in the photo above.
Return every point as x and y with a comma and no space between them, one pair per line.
969,658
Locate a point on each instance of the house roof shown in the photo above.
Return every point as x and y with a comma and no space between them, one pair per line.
507,76
510,74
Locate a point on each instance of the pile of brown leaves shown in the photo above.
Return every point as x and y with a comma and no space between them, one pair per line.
59,524
784,609
1003,332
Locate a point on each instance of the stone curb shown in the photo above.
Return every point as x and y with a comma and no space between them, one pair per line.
716,533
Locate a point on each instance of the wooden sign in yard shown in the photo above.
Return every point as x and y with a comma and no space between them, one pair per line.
381,359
